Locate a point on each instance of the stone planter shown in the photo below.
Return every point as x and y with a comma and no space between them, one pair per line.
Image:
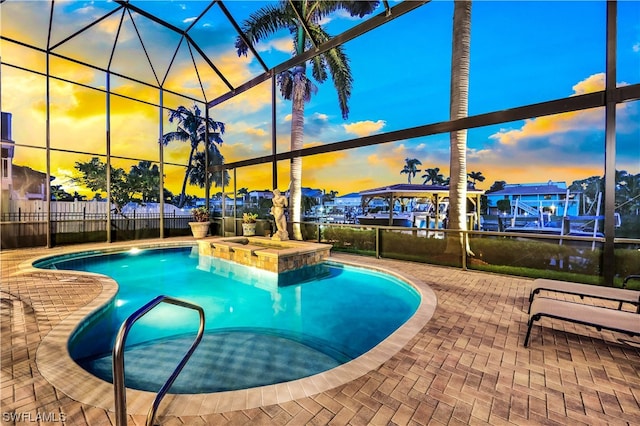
199,229
248,229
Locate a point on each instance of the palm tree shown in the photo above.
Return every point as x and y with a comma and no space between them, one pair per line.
194,129
145,178
59,194
476,176
243,192
458,139
632,203
497,186
433,175
411,168
303,20
627,193
200,175
93,175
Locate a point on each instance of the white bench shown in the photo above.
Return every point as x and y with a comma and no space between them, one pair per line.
595,316
620,295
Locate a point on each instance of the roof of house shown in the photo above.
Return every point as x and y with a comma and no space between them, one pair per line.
531,189
311,192
412,190
350,195
24,171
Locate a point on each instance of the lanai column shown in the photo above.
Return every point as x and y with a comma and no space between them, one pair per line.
437,209
478,208
392,201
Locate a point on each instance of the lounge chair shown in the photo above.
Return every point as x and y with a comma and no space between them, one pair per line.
596,316
620,295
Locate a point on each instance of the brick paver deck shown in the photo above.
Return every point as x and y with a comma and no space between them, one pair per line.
466,366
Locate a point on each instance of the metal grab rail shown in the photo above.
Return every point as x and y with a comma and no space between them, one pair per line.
118,358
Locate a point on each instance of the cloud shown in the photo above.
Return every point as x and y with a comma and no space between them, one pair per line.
387,158
327,171
63,176
636,47
257,132
110,27
245,140
248,102
364,128
284,44
553,129
375,160
317,124
550,126
553,125
593,83
241,150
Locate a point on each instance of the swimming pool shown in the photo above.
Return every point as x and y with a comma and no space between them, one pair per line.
258,332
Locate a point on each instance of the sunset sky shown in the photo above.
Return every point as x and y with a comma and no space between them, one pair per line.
521,53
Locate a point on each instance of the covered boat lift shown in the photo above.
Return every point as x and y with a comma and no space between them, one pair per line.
404,193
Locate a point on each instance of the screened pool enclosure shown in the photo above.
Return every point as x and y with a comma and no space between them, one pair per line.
103,104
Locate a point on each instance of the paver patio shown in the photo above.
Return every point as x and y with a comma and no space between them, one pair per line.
466,366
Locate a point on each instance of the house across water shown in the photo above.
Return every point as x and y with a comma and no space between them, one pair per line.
542,208
534,199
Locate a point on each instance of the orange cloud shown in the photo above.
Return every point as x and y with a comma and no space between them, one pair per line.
374,160
593,83
552,124
256,132
328,174
248,102
392,155
560,123
242,151
364,128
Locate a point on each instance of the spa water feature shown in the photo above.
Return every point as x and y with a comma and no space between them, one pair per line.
265,253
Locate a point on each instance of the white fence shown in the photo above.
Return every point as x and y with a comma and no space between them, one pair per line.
37,209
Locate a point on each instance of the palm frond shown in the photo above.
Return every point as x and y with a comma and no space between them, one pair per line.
199,173
319,68
285,82
264,22
340,70
357,8
179,135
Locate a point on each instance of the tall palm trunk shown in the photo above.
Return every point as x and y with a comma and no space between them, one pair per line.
183,192
458,139
297,133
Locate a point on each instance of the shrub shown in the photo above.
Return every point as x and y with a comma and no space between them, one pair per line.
249,217
536,254
200,214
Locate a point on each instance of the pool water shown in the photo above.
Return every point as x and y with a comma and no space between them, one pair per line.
258,332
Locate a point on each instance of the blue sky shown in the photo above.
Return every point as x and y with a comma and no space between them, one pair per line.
521,53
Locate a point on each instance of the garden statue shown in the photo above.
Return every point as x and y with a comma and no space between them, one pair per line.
280,203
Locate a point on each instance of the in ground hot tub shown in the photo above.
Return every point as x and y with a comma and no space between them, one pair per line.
265,253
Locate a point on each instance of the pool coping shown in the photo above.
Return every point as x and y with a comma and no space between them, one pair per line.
58,368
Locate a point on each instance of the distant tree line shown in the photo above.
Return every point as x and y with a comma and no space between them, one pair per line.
433,175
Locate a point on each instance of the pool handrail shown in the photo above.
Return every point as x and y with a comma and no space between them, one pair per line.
118,358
